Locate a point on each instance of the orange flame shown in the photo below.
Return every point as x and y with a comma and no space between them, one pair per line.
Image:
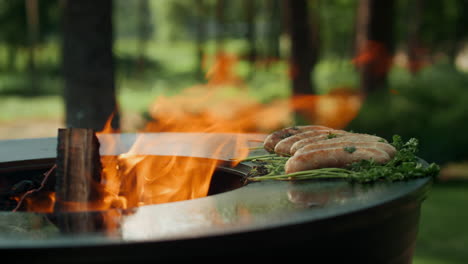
335,109
375,56
199,129
107,129
43,202
182,173
222,70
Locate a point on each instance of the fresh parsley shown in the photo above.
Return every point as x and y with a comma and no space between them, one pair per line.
350,149
404,166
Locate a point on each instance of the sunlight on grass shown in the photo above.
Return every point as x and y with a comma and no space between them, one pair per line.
14,108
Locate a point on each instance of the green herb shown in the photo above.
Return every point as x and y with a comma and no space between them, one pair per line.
262,157
350,149
404,166
331,135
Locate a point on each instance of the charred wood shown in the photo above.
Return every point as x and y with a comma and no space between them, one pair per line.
78,177
78,168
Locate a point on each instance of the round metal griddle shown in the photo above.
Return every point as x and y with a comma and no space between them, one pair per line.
323,220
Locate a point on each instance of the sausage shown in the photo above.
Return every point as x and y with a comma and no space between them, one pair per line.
271,140
389,149
353,137
283,147
336,157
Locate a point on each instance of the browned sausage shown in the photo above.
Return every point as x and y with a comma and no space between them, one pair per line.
283,147
389,149
354,137
333,158
272,139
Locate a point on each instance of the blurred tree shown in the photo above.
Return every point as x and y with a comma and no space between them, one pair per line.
145,31
15,21
443,26
374,42
304,49
250,10
220,15
12,20
200,37
274,28
32,15
88,64
336,22
414,46
175,19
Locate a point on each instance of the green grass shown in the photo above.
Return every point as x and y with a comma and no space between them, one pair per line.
15,107
51,107
443,230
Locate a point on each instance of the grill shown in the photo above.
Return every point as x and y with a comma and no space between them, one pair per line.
330,220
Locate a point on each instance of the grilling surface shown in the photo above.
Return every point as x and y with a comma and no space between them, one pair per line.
323,214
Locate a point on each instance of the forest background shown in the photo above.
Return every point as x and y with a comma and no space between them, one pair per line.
407,59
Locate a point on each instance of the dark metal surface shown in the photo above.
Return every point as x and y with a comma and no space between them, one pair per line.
332,220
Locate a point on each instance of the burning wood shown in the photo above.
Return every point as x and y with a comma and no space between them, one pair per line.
78,169
32,191
78,179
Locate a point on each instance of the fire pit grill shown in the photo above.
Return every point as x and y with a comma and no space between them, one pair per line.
326,220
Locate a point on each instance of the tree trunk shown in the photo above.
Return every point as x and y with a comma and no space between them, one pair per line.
414,37
220,25
200,37
274,28
144,17
88,64
250,11
32,16
303,50
374,42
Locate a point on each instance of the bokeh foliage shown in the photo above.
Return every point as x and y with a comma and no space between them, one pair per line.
428,105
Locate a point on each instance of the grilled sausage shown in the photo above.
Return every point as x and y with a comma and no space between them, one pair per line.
353,137
283,147
389,149
272,139
336,157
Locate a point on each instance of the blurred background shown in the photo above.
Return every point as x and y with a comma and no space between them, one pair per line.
379,67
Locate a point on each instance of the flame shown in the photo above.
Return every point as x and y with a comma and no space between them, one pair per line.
374,55
222,70
199,129
181,173
185,171
107,129
43,202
